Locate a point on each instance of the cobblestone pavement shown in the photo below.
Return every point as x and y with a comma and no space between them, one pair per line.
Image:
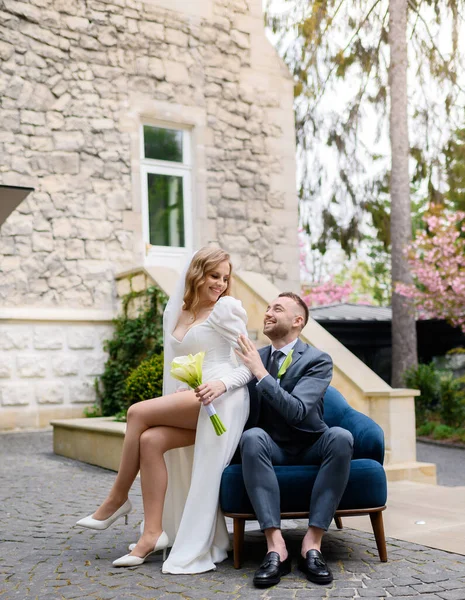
450,462
42,556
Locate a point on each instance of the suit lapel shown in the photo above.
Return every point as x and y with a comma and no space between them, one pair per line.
299,349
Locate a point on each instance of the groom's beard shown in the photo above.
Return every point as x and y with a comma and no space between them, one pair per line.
277,332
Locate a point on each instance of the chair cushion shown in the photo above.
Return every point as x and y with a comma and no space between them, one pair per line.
367,487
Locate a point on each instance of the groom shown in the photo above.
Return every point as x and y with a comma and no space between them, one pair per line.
286,427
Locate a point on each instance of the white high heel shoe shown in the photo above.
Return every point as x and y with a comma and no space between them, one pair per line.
91,523
129,560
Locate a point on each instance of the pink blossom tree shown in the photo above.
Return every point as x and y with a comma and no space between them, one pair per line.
326,293
437,263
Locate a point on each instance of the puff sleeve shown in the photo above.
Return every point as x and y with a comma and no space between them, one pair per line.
229,319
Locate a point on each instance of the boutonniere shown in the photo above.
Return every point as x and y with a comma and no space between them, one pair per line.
285,365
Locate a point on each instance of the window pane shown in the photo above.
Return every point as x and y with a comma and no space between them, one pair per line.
166,210
163,144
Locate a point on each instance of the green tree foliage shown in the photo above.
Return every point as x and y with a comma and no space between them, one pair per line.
455,168
337,51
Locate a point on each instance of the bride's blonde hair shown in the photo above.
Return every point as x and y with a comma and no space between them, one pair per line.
204,262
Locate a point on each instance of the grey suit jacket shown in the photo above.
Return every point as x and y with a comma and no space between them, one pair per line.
298,398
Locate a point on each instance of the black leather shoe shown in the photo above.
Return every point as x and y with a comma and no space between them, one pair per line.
315,568
271,570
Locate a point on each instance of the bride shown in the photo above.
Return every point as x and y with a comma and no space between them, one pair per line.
171,439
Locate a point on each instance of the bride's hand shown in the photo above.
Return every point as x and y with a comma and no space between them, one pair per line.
207,392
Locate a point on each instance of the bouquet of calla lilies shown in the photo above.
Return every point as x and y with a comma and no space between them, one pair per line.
188,369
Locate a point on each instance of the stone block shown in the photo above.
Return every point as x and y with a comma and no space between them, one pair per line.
14,338
82,391
55,120
68,140
16,394
232,208
6,366
77,23
50,392
87,229
119,200
41,144
240,39
231,190
65,365
31,365
252,233
62,228
61,163
32,117
235,243
138,283
81,338
42,242
152,31
94,364
10,263
75,249
123,287
176,37
176,72
96,250
6,51
18,224
102,124
48,338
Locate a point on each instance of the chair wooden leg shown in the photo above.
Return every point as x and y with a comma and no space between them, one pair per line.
238,541
378,529
338,522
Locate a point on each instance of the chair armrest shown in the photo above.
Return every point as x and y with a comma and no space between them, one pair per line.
368,435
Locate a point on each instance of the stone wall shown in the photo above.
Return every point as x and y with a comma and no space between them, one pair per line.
76,81
48,366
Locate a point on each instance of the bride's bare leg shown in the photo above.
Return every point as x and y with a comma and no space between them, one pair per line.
154,443
176,410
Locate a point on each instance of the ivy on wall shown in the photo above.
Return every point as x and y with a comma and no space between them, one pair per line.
135,338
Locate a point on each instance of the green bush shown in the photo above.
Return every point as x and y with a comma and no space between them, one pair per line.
133,341
443,432
442,396
427,428
452,404
425,378
146,381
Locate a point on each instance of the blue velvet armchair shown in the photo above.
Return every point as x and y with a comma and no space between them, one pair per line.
366,490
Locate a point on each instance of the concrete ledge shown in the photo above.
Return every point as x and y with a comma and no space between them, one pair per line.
99,442
96,441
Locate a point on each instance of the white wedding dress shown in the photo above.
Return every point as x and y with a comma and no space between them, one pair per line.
192,517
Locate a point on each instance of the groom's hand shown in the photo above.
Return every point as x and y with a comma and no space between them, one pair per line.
249,355
207,392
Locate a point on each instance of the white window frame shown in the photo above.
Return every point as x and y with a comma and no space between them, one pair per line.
169,256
